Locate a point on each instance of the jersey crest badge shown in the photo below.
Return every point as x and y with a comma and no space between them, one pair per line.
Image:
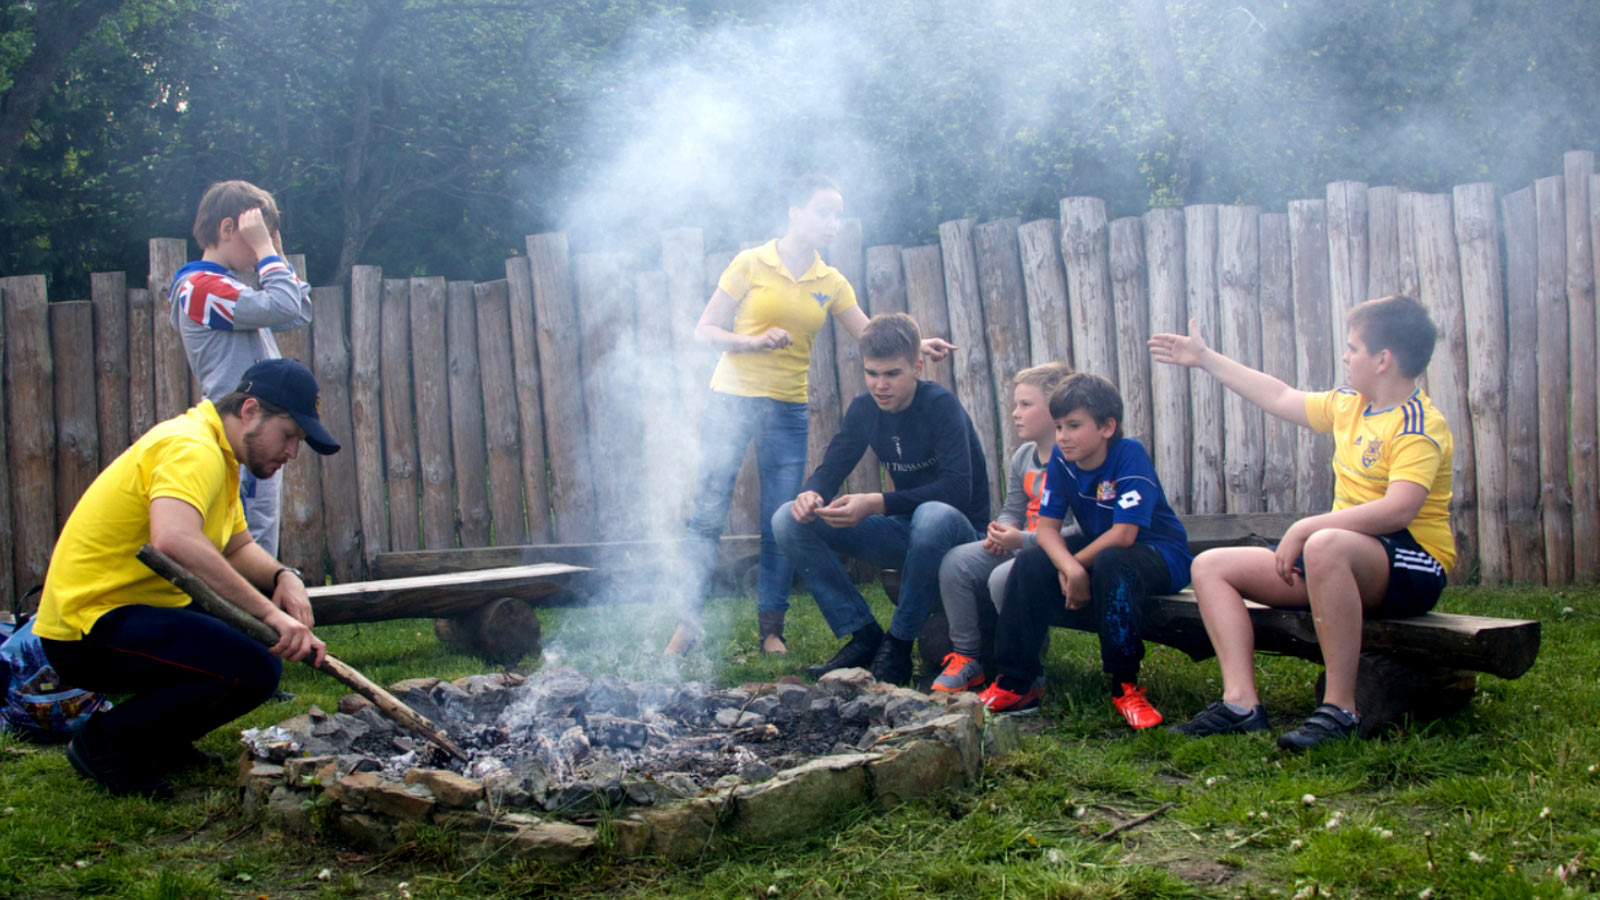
821,298
1105,491
1370,455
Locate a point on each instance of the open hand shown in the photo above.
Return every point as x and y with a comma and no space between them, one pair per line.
1179,349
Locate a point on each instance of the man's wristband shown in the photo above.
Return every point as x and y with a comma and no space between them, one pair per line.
279,574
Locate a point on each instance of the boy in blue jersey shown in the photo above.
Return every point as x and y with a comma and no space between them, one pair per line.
227,326
1131,546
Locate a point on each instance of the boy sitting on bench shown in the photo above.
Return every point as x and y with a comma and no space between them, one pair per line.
1384,548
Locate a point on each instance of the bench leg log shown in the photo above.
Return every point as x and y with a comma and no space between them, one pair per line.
1387,689
502,631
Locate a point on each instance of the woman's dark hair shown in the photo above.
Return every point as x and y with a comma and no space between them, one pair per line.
1093,394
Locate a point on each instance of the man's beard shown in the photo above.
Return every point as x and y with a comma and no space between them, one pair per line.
254,459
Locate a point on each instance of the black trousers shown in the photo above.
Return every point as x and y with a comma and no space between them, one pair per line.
1121,582
187,671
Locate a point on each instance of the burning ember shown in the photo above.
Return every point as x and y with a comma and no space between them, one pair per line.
563,744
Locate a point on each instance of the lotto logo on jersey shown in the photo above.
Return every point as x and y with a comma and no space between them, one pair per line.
1105,492
1129,500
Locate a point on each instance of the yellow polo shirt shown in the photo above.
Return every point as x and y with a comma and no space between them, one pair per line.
1410,442
769,297
93,569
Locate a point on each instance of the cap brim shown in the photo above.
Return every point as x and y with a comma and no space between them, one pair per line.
317,437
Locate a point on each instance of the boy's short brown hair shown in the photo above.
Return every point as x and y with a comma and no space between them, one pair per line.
226,200
892,336
1093,394
1399,325
1046,377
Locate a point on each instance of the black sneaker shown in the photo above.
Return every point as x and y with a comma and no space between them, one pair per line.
1326,723
892,663
1219,719
114,774
857,654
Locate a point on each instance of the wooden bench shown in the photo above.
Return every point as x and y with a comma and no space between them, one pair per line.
1424,665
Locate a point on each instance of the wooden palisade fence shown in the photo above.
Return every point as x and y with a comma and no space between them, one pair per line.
560,403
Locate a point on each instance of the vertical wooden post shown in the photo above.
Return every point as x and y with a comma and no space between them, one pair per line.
366,407
1084,243
683,262
30,426
1406,219
845,254
8,588
1133,327
1005,319
1238,300
1347,249
1579,168
1594,266
607,326
926,302
167,256
663,499
528,414
1484,311
1383,241
886,279
1555,492
1278,485
1044,281
77,437
572,488
1439,271
824,400
429,373
141,364
1169,385
500,416
466,414
1205,392
1314,343
341,498
109,293
973,385
399,417
1523,512
301,533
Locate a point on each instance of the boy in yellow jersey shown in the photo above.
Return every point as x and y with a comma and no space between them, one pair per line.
1384,548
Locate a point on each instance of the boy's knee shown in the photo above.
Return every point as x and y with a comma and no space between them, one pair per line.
1031,561
1327,550
936,515
782,521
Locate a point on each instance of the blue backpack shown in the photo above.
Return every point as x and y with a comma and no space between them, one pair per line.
37,705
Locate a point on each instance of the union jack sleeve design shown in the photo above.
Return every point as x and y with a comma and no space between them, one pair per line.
208,298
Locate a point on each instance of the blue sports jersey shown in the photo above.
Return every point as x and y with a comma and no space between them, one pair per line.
1123,490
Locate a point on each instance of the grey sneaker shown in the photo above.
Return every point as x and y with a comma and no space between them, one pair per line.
961,673
1219,719
1326,723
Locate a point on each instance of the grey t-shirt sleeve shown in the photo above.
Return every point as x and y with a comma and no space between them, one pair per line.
1015,512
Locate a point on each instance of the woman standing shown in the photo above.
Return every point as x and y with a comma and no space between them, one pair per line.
767,309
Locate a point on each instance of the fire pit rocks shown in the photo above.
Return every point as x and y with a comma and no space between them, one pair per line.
561,765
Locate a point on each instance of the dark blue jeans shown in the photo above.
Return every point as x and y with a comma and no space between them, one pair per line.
914,544
188,673
728,426
1121,582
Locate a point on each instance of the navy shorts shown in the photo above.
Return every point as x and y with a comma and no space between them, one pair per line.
1415,578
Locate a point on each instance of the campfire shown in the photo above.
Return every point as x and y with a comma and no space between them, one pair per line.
662,768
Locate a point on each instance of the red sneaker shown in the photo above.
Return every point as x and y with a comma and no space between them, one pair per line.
1135,708
1005,703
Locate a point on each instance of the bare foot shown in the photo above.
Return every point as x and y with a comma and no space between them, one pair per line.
773,644
683,640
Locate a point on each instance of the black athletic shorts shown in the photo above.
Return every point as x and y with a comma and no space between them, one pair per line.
1415,578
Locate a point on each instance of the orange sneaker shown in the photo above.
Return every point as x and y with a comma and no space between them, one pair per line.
961,673
1002,702
1135,708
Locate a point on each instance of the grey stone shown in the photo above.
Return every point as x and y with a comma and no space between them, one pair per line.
845,682
752,772
355,762
506,789
297,769
822,716
863,710
731,717
365,831
869,738
531,776
803,800
957,730
611,695
413,802
766,707
1001,737
285,814
613,731
353,703
632,836
902,710
915,770
446,695
683,830
792,697
448,788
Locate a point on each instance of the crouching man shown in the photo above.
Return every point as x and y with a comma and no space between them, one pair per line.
108,623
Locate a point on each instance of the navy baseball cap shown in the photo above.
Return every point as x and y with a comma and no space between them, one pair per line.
289,385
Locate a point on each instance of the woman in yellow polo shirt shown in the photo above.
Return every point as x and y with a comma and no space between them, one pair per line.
763,317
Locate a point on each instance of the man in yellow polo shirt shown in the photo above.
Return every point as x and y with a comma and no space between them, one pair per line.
108,623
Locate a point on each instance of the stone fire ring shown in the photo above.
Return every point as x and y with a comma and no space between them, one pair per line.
378,813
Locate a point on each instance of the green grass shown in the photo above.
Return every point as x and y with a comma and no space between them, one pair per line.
1497,796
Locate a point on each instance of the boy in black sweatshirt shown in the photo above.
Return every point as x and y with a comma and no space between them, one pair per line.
940,500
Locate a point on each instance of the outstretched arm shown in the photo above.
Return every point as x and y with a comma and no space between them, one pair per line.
1253,385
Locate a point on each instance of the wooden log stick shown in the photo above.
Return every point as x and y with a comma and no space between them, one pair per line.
254,628
1134,822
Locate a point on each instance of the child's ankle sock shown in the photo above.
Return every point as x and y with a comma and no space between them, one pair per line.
1236,709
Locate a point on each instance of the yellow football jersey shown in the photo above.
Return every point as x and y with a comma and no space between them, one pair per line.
1410,442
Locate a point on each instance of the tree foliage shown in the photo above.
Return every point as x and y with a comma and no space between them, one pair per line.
428,136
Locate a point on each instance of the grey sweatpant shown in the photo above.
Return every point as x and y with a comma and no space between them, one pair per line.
970,575
263,508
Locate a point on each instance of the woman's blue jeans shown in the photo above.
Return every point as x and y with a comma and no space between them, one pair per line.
727,427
